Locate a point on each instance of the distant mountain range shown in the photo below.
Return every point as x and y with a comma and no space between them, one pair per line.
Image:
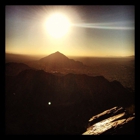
119,68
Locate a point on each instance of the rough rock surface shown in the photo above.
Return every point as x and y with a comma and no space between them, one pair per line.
112,121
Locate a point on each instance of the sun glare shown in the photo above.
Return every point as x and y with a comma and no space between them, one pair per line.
57,25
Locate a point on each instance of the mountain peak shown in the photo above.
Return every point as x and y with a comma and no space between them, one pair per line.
57,61
58,53
57,56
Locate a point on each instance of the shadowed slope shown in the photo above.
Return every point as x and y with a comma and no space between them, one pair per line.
15,68
76,96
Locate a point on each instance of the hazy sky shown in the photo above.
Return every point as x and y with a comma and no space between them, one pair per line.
94,31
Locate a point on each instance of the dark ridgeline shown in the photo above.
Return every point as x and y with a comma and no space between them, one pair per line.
12,68
74,99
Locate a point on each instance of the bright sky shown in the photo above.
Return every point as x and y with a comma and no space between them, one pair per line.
93,30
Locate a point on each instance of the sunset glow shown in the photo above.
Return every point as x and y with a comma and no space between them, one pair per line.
73,30
57,25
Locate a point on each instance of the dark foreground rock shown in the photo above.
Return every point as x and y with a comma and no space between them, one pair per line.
74,99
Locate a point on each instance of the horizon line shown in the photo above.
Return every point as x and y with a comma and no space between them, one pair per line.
70,55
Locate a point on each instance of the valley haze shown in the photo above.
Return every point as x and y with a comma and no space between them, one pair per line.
121,69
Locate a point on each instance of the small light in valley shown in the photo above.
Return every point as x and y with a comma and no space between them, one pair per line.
49,103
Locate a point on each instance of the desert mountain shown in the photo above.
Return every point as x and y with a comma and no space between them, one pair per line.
58,60
74,99
59,63
55,56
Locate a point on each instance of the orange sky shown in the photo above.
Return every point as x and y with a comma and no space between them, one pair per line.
97,31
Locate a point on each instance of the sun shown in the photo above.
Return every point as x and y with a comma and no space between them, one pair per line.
57,25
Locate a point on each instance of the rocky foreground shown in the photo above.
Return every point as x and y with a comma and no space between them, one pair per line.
114,121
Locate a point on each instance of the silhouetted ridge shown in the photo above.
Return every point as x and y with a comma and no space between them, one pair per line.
34,73
14,63
74,99
74,84
13,68
115,82
27,72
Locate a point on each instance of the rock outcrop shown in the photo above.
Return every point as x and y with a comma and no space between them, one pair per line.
113,121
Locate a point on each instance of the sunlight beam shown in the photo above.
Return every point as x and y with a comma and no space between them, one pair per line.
102,26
